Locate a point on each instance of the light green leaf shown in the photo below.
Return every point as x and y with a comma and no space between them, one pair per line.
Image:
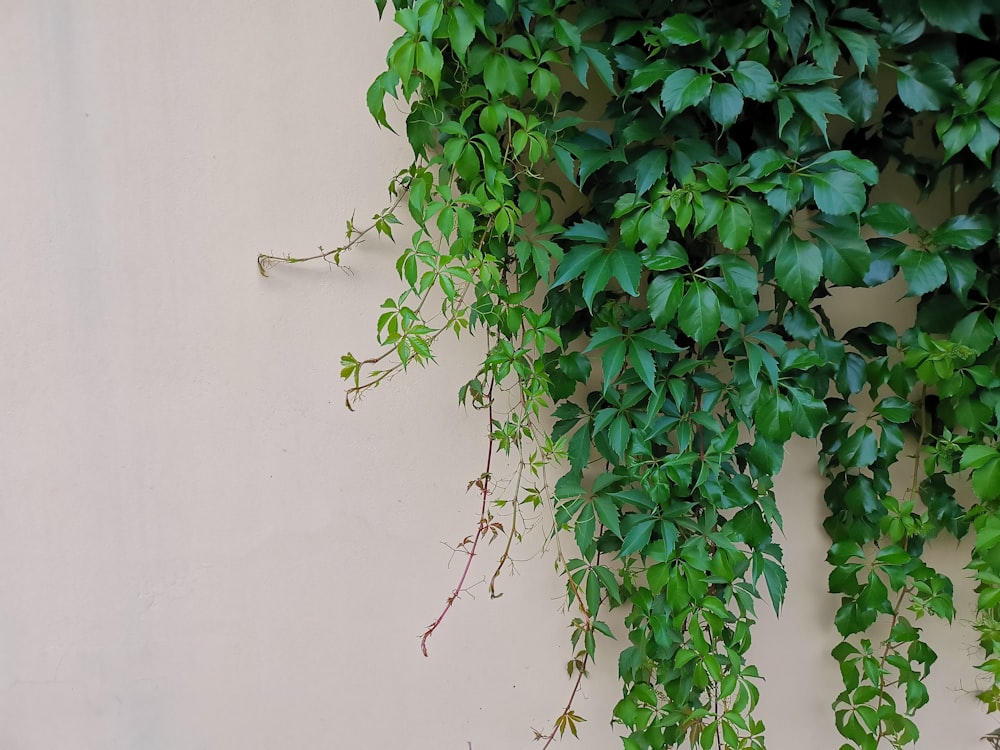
461,30
977,456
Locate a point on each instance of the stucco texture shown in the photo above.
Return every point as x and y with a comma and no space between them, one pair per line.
200,547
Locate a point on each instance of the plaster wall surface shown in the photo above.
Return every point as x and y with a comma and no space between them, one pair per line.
200,547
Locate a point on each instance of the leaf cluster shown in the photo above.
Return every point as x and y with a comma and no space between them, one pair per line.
642,205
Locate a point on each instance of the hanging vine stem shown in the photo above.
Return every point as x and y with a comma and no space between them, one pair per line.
484,485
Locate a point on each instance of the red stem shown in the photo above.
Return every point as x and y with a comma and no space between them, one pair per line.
485,486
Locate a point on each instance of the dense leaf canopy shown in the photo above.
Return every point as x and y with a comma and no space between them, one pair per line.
642,205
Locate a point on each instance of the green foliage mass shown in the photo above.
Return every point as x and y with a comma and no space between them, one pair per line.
642,204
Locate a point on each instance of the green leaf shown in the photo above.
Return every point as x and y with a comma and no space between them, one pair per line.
754,81
642,362
863,48
924,88
588,232
685,88
846,256
725,104
734,226
965,232
777,582
648,169
627,268
986,480
666,257
773,416
818,103
682,30
839,192
575,262
985,141
700,313
924,271
600,64
987,532
895,409
890,219
596,277
961,17
798,268
461,30
860,449
962,273
638,535
657,576
619,435
584,528
607,512
805,74
860,97
977,456
664,297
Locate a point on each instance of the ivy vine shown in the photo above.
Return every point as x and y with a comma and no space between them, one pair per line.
640,205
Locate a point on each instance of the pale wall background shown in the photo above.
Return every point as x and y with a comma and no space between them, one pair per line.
199,546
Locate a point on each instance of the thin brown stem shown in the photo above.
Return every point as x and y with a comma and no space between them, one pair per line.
569,704
484,485
265,261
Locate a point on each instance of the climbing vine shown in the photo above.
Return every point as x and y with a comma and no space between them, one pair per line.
641,206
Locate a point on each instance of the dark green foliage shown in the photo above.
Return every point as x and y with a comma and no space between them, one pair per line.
722,194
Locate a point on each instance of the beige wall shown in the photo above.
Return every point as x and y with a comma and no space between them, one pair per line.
199,546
